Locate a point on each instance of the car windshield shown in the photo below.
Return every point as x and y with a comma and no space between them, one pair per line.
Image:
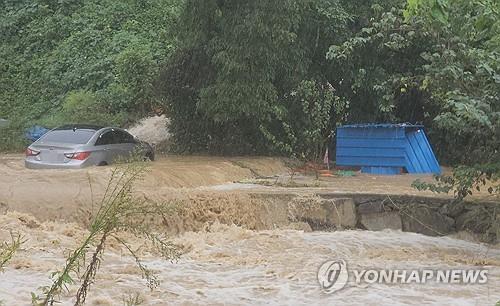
77,136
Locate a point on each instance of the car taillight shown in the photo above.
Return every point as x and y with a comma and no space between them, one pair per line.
78,155
30,152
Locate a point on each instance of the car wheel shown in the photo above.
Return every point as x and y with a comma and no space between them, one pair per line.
103,163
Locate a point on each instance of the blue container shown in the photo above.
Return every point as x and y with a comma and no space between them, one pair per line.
35,132
386,149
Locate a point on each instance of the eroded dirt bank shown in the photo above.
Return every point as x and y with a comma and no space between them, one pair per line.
60,194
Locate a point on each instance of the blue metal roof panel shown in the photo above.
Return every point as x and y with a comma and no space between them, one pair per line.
386,145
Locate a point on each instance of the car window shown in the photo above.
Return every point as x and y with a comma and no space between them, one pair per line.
124,137
77,136
107,138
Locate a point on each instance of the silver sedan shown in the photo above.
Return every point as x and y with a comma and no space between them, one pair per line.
79,146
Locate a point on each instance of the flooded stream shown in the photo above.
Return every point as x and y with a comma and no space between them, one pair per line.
224,264
229,265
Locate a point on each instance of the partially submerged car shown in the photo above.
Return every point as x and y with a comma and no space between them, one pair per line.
79,146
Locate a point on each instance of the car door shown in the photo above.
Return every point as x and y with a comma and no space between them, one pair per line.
107,145
126,143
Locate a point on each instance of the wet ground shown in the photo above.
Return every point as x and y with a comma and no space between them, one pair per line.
59,194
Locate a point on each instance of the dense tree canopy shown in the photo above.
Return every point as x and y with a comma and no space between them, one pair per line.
250,56
443,72
106,53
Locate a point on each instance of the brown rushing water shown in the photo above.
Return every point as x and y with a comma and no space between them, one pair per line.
231,265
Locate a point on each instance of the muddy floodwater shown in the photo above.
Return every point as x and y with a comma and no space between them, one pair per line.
230,265
251,263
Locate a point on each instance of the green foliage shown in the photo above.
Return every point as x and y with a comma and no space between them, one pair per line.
236,61
83,107
424,61
136,69
304,120
110,49
435,62
224,70
379,70
11,138
8,249
466,180
407,70
463,79
434,9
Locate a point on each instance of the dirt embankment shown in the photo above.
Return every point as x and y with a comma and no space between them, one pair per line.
60,194
65,194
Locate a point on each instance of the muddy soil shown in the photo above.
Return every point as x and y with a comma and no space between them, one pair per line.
60,194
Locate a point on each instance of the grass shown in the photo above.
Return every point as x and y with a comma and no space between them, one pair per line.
118,212
133,300
8,249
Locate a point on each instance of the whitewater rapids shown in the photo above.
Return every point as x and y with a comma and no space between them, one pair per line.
230,265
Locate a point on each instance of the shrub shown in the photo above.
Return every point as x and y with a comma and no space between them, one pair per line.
303,120
119,211
83,107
